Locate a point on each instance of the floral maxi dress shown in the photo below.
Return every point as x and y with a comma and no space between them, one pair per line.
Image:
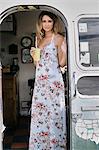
48,123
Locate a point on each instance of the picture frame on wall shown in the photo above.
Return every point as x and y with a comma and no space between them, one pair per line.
9,24
25,55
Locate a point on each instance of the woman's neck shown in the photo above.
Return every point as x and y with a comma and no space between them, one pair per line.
48,34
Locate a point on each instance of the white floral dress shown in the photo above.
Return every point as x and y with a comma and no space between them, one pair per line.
48,123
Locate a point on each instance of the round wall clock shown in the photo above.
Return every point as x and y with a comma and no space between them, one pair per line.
26,41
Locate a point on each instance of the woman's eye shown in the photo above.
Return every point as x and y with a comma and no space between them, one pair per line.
46,21
43,20
50,21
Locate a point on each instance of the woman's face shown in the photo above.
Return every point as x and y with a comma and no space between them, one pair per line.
47,23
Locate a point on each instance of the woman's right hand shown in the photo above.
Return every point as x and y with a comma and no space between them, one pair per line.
35,53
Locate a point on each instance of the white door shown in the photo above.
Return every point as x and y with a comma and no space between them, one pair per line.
85,85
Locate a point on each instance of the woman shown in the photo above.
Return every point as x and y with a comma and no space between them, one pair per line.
48,131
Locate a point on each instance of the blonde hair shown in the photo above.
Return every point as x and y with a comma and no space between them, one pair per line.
56,26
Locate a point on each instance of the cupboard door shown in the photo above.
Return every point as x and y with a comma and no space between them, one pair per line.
9,100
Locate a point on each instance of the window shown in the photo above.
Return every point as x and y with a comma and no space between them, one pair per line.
89,42
88,85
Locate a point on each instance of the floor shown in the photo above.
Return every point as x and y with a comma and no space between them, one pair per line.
17,138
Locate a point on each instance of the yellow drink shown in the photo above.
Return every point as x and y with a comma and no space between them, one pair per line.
35,53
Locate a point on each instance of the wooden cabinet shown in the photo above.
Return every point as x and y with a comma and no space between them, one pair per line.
10,99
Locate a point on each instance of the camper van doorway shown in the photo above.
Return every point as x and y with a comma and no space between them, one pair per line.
18,28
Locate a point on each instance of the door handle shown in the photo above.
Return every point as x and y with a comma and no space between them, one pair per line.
90,108
74,85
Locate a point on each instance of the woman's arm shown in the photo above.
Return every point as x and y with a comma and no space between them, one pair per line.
62,51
